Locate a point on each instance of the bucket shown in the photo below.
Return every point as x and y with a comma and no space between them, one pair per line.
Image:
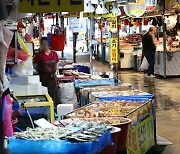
122,136
112,149
14,121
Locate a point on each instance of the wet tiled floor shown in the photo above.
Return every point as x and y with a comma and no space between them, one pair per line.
167,99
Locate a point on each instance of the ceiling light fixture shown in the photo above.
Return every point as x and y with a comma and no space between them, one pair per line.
88,8
94,1
116,9
101,9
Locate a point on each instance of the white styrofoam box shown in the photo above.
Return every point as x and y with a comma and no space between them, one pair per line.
25,86
29,89
30,92
23,80
63,109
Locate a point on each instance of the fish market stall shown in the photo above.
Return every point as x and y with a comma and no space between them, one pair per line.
80,84
77,137
139,136
111,94
90,94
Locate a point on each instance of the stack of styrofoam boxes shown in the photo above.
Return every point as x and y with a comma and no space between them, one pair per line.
27,85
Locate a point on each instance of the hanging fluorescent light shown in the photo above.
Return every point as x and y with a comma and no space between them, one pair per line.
116,9
101,9
94,1
88,8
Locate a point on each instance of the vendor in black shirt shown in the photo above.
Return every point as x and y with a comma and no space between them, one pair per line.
149,49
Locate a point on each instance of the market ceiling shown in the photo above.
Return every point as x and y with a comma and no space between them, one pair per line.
148,8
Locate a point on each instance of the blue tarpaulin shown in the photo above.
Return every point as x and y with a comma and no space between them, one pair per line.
87,83
128,98
19,146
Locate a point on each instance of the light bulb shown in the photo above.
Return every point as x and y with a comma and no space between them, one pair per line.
104,10
115,9
85,7
88,8
99,9
94,2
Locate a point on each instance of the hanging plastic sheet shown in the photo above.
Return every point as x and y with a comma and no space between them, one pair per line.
19,146
6,104
5,39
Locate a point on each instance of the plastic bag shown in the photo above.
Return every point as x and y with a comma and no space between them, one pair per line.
7,109
67,94
144,65
22,55
23,68
23,45
4,45
5,36
19,69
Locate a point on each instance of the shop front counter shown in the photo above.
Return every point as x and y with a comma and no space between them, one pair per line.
172,63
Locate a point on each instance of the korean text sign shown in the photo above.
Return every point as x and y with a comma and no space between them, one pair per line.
114,50
46,6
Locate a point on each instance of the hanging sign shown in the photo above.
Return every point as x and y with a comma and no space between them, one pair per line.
150,4
135,10
114,50
113,24
46,6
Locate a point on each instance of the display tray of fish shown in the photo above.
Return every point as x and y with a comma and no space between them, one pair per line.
106,109
117,93
87,91
76,131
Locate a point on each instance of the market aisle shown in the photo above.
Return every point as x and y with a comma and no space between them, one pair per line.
167,99
167,102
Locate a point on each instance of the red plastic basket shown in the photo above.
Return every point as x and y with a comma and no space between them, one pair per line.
57,42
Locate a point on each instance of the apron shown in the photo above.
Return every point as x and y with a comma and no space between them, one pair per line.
47,69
